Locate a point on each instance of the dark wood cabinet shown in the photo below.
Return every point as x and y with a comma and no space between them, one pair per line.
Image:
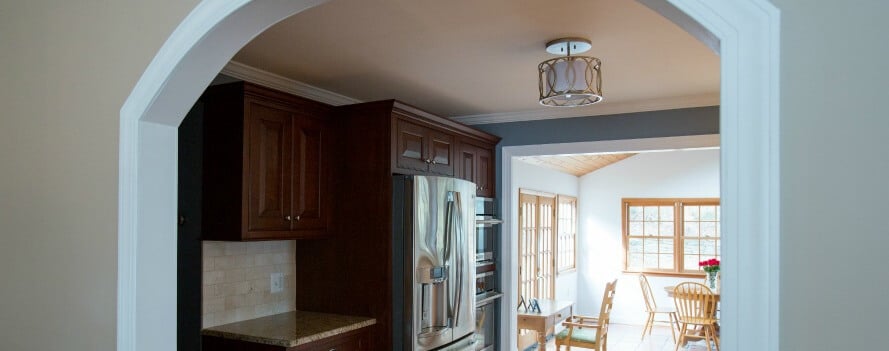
356,340
377,140
269,167
423,149
267,160
477,165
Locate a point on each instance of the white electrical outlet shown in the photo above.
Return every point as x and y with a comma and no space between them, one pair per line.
277,284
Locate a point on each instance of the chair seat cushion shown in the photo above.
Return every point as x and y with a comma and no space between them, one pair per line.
580,335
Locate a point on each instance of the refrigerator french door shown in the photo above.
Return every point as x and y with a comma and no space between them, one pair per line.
433,261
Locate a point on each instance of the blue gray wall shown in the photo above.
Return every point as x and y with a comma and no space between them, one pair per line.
656,124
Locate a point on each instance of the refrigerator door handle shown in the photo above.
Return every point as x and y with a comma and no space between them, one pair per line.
449,226
458,292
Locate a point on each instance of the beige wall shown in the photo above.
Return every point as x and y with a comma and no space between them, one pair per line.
835,166
67,67
236,280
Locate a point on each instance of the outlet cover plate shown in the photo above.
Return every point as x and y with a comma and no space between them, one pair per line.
277,282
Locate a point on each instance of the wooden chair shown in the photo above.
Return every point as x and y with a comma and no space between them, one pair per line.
653,310
589,332
696,307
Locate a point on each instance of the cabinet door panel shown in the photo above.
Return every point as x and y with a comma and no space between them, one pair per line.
411,144
467,163
484,172
309,174
269,170
441,153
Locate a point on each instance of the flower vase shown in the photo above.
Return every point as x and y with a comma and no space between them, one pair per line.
712,278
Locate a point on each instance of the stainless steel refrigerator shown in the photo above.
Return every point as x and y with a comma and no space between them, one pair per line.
433,262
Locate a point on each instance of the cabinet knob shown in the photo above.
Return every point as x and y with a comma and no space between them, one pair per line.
433,162
297,218
287,217
427,161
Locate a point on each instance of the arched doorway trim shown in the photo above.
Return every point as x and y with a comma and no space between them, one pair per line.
215,30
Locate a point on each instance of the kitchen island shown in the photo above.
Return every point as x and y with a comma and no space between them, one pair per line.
296,330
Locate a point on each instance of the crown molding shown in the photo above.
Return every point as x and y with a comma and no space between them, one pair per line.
594,110
271,80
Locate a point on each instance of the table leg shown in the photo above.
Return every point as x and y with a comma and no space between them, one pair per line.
541,341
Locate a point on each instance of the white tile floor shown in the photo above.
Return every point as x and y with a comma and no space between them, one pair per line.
622,337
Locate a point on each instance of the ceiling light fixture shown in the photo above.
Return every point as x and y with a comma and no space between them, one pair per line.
570,80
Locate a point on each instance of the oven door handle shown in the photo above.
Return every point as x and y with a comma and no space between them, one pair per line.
487,222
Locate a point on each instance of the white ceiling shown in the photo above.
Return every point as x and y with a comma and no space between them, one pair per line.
465,58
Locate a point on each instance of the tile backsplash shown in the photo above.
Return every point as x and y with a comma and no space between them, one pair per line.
237,280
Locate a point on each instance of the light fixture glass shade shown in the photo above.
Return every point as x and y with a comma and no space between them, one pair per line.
570,81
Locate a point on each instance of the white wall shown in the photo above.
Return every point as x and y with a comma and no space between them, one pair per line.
527,176
690,173
834,167
67,68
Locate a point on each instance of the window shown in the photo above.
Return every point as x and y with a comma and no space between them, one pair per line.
566,240
536,274
670,235
547,241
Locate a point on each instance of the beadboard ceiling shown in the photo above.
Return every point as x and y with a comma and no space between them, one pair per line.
476,61
577,165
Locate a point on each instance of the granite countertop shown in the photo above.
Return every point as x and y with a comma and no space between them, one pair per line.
289,329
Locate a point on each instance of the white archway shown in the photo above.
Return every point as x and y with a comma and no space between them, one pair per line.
215,30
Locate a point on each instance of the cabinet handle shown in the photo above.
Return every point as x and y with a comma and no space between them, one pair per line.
428,161
297,218
433,162
287,217
333,349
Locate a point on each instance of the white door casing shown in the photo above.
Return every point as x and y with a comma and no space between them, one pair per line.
215,30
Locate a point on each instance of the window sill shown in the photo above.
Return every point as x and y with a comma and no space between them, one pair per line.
667,274
566,271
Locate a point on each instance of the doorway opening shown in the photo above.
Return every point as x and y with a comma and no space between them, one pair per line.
214,31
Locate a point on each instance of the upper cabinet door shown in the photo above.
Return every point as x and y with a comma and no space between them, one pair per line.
477,166
269,167
467,163
310,172
441,152
411,147
484,172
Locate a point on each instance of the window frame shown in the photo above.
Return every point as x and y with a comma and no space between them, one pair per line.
678,232
548,288
572,267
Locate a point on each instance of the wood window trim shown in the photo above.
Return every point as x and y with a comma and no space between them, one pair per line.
555,200
547,291
678,237
572,267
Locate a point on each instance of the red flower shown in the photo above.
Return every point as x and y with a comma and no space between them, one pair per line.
710,265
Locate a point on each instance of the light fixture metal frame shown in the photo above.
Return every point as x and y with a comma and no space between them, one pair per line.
592,75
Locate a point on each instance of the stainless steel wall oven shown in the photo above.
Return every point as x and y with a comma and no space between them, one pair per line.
485,230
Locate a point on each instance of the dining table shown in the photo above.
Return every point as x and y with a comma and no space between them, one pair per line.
551,313
715,292
669,290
